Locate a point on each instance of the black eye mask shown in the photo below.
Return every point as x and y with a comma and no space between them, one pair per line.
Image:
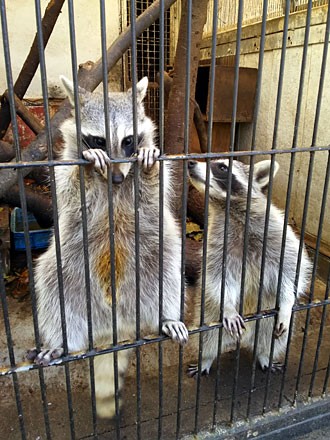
127,144
220,173
92,142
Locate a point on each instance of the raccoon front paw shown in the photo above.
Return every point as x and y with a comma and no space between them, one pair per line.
147,157
192,371
176,330
98,158
43,357
234,324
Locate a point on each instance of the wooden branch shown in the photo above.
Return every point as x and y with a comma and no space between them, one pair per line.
89,77
37,202
7,152
175,122
198,116
27,116
31,63
200,128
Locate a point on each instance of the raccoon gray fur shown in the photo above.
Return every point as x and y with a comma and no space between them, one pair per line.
234,326
71,241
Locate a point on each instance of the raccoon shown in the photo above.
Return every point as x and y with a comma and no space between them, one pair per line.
71,241
233,323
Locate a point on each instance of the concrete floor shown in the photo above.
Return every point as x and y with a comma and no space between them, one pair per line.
21,322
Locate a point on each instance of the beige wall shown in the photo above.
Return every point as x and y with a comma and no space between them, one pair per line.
265,127
22,29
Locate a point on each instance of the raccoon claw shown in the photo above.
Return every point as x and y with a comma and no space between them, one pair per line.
99,158
234,325
176,330
280,329
192,371
43,357
276,367
147,157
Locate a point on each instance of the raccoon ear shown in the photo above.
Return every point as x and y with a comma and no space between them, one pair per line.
141,89
68,86
262,172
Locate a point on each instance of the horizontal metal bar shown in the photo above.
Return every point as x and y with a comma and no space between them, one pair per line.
23,367
224,155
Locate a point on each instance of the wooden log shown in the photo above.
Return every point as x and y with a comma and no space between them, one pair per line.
31,63
38,203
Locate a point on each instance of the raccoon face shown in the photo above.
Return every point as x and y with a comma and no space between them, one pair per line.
219,177
121,129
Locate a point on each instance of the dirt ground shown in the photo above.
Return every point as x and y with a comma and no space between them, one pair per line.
57,404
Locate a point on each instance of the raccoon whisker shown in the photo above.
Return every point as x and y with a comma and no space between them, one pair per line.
85,143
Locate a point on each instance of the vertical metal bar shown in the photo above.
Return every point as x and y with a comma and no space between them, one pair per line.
206,204
136,218
232,143
270,186
291,171
184,205
161,209
110,211
10,86
48,133
318,242
53,191
10,346
307,195
249,196
83,210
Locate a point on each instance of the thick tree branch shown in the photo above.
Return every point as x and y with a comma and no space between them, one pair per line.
198,116
176,115
38,203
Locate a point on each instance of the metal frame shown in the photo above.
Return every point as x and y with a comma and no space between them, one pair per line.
14,369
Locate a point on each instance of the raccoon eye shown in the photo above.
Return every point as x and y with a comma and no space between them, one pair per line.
127,145
223,167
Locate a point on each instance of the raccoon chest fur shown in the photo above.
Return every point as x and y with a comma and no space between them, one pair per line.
234,263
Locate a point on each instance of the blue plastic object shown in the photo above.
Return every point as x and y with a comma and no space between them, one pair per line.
39,238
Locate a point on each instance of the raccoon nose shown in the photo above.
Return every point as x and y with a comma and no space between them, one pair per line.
117,177
192,164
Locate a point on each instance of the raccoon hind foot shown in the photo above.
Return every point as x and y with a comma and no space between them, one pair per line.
275,367
43,357
176,330
192,371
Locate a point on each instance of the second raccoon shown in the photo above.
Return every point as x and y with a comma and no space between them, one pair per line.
233,323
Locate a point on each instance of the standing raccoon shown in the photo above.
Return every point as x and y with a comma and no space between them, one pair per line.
71,240
234,327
